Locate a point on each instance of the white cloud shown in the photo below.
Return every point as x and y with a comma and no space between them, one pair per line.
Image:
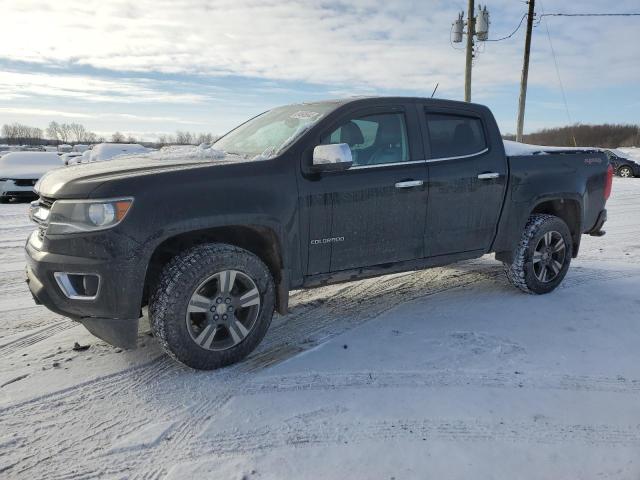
348,47
90,89
365,44
43,112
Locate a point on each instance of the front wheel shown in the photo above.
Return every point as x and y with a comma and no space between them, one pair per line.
212,305
625,171
543,255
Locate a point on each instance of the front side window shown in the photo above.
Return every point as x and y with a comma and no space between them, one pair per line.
455,135
373,139
268,134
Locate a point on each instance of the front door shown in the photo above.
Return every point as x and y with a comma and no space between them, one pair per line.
378,206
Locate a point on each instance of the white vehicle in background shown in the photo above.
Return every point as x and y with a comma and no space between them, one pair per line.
19,172
107,151
71,158
48,148
80,147
64,148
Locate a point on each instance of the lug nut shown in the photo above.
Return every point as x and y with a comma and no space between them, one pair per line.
230,309
224,317
227,300
216,317
218,300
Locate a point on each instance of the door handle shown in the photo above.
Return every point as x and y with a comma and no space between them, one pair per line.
409,184
488,176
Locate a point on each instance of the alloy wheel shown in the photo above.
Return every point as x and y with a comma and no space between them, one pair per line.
548,257
624,172
223,310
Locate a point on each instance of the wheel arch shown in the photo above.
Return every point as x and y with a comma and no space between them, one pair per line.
569,210
260,240
566,207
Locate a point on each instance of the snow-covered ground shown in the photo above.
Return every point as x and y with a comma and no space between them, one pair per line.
445,373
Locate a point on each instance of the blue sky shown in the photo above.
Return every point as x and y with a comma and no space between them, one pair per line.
150,67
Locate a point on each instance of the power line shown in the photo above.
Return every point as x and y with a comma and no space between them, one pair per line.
511,34
555,61
590,15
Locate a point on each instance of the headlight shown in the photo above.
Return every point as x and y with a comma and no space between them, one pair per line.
76,216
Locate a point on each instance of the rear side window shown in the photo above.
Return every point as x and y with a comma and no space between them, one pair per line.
455,135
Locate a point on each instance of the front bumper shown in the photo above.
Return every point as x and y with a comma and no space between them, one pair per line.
112,315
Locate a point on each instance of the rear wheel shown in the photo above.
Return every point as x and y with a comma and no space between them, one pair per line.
543,255
212,306
625,171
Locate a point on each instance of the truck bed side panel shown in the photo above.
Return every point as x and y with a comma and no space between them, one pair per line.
534,179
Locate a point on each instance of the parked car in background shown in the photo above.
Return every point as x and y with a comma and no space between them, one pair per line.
624,165
80,147
107,151
20,171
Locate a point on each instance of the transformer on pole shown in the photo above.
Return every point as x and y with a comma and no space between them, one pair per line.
476,26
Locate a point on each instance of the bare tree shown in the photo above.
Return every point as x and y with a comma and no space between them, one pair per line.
117,137
131,139
184,138
78,132
53,131
20,134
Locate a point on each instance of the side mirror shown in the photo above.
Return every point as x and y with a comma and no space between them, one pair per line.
332,158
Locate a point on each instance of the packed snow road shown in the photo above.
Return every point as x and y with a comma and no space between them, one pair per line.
446,373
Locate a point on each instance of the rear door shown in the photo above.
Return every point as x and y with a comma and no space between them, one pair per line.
378,206
467,179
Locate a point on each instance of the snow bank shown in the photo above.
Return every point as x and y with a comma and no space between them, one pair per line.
30,165
107,151
70,158
513,149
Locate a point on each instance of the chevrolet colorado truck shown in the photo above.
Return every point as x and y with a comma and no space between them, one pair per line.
213,238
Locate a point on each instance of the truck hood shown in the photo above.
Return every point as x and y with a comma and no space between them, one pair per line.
78,181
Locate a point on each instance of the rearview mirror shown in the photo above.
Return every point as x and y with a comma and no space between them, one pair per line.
332,158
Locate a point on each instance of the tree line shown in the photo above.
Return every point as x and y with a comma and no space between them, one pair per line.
606,136
60,133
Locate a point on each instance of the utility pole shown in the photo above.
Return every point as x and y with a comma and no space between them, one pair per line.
525,72
469,59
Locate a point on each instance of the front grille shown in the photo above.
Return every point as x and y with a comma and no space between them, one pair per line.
25,182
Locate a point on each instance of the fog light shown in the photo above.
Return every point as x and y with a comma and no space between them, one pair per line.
78,286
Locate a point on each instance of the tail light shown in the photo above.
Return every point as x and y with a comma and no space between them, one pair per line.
608,183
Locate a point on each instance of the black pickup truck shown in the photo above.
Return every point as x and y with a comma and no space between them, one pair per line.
213,239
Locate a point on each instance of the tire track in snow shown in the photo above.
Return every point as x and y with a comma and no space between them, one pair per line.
62,433
286,340
316,317
300,432
448,378
35,337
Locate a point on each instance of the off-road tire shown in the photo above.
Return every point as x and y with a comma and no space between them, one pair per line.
521,272
179,279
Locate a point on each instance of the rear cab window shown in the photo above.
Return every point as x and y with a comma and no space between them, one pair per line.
455,135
